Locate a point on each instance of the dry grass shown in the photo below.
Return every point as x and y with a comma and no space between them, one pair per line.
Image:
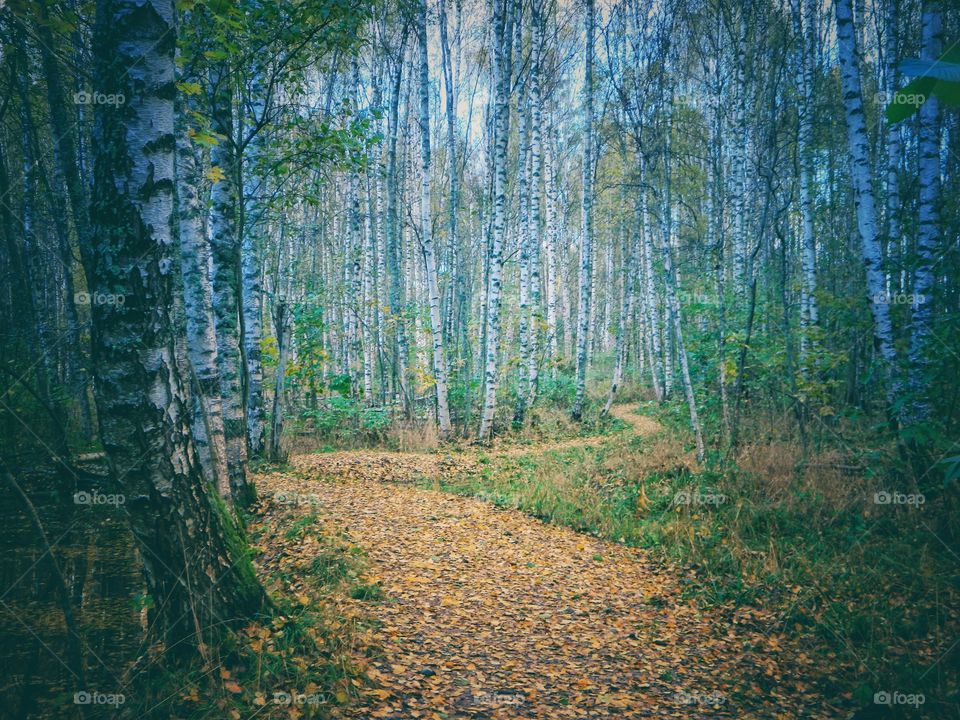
773,465
412,436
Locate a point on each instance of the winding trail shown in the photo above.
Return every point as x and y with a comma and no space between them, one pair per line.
489,613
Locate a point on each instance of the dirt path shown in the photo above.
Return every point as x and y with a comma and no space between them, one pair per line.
488,613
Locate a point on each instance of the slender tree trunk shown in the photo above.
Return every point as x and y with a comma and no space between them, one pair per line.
928,231
649,289
671,284
523,243
858,146
459,270
253,228
198,307
808,300
426,233
536,225
225,249
586,242
739,169
895,238
551,230
626,312
393,234
282,328
68,169
500,72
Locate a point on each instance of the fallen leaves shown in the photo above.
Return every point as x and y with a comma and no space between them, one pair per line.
490,613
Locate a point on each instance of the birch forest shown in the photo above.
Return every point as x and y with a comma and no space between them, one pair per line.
434,359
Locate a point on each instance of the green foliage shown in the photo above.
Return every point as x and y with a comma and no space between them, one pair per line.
344,420
371,592
908,100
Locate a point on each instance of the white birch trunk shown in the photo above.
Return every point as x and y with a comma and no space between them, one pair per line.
426,233
808,300
858,146
500,73
928,232
586,242
198,307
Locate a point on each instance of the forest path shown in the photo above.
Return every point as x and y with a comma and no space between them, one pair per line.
489,613
399,466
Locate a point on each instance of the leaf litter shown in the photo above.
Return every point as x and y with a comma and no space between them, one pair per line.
482,612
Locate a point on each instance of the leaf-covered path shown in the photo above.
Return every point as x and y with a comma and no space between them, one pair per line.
489,613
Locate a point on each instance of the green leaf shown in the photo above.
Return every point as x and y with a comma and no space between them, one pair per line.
948,92
908,100
189,88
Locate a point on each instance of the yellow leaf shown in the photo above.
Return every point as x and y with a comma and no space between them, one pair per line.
215,174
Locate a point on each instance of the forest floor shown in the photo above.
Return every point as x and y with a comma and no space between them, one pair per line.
466,610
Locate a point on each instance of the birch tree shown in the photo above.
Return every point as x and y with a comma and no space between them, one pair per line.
586,241
858,148
426,232
183,535
928,230
500,75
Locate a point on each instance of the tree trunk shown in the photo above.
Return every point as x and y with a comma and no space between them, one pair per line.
225,249
393,234
523,245
928,231
586,242
426,233
282,328
500,72
253,228
194,563
198,306
858,146
808,300
536,226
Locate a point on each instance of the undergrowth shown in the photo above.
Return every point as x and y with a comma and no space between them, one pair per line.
300,661
868,583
